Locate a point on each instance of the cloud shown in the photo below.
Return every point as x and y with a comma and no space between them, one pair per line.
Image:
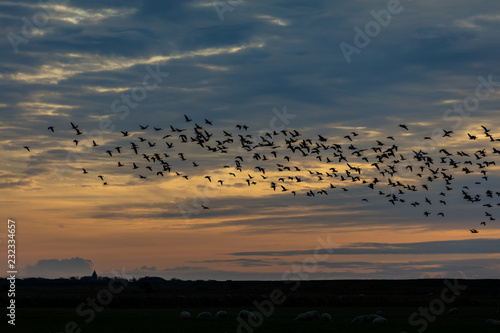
243,262
84,63
328,270
146,269
468,246
55,268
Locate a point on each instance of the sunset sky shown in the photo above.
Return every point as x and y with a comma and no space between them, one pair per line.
324,68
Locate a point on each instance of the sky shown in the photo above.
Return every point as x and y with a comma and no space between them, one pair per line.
325,69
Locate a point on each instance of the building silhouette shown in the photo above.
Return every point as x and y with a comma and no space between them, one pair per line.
92,277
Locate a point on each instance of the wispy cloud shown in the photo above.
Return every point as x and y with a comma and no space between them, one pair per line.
467,246
54,72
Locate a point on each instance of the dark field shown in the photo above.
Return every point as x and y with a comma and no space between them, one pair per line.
154,305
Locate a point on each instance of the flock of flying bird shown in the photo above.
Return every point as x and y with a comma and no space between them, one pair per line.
287,161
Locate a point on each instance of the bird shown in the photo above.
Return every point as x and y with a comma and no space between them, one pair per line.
403,171
27,148
51,128
134,147
84,171
447,133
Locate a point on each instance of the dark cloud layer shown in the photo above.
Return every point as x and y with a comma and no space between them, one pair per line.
54,268
468,246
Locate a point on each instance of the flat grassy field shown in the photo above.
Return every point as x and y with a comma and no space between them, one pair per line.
470,319
155,306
